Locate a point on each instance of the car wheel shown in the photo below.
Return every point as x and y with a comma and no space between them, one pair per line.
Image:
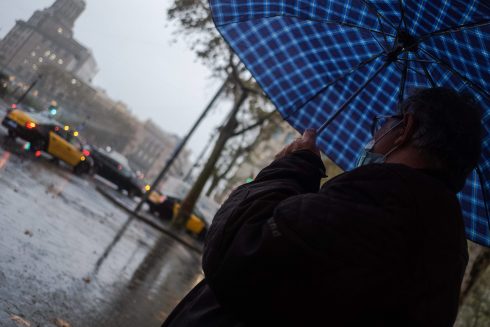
81,168
12,134
202,236
38,145
131,193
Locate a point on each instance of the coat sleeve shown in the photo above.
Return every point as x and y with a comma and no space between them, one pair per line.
278,248
253,204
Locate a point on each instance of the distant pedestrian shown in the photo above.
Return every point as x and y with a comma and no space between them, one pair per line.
381,245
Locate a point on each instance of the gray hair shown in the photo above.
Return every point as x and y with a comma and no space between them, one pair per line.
448,130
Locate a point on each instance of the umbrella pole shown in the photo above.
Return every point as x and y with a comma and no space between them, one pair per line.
352,97
484,192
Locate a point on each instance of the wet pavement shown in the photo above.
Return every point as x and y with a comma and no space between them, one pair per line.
165,226
54,231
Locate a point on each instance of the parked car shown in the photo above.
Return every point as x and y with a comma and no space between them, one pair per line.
114,167
167,207
47,135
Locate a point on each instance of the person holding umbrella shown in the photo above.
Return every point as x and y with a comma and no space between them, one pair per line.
381,245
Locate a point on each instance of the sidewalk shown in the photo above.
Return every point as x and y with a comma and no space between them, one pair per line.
157,223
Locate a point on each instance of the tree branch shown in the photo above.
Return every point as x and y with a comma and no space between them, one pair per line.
257,124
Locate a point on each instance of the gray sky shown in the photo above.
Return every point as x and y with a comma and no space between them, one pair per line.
139,64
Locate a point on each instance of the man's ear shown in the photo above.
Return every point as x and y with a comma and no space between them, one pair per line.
406,130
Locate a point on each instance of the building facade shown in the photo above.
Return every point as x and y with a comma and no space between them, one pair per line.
151,147
47,39
43,50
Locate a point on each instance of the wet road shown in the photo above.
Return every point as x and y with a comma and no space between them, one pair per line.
54,227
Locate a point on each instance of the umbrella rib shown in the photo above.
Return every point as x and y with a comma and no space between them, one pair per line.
484,192
345,24
379,43
409,69
352,97
419,60
378,14
402,13
427,74
323,21
326,86
473,85
453,29
403,81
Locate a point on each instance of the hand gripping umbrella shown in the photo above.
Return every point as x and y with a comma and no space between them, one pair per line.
334,65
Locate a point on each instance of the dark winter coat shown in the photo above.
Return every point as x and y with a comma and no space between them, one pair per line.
382,245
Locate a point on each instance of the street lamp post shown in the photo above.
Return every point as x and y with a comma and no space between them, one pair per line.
181,146
23,96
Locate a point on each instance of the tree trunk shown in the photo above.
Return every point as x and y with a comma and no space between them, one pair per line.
214,182
218,177
479,261
226,132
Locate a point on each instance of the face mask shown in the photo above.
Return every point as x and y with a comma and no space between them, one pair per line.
369,157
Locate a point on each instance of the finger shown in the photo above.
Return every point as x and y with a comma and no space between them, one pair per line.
309,136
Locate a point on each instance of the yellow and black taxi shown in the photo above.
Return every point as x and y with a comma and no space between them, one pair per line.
168,207
44,134
22,123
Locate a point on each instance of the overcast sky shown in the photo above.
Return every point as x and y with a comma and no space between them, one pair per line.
139,65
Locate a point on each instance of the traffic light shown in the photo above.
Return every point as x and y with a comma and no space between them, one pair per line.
53,110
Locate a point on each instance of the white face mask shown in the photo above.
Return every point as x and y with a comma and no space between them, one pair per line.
369,157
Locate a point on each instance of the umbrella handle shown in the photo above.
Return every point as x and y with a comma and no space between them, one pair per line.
484,192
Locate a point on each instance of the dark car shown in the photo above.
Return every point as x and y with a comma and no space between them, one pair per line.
114,167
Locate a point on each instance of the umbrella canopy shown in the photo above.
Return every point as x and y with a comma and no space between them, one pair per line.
334,65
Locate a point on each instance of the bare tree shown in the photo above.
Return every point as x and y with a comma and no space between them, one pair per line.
248,101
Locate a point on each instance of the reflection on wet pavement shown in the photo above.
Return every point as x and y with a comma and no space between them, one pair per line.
4,159
54,228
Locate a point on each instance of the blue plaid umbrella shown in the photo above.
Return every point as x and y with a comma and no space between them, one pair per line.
316,59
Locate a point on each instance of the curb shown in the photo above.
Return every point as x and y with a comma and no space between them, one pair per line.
147,221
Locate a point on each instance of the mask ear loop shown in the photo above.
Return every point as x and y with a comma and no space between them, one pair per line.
386,133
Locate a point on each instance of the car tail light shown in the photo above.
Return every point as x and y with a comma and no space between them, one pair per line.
86,152
30,125
37,153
